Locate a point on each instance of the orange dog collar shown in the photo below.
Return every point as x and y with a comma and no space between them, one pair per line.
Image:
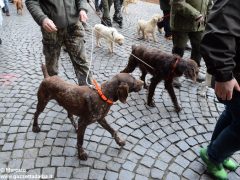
101,93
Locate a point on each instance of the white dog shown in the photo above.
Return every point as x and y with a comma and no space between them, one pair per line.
110,34
126,3
148,27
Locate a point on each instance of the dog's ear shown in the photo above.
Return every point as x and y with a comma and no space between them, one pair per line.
192,70
122,92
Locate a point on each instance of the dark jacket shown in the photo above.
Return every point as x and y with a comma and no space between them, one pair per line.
62,12
220,46
185,12
164,5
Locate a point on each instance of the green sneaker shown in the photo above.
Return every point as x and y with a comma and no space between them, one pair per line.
230,164
216,170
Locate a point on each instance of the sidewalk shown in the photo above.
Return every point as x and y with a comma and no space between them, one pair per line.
160,144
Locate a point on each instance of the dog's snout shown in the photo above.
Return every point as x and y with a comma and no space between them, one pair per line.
139,85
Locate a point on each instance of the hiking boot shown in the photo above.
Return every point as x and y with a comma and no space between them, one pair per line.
118,20
216,170
230,164
106,22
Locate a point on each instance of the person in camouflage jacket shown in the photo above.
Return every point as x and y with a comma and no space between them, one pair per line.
59,21
187,22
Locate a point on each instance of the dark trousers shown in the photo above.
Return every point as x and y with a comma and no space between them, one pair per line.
226,136
165,23
180,40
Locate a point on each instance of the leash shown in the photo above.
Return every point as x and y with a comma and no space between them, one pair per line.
100,93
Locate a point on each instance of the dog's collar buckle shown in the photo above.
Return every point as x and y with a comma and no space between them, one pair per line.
100,93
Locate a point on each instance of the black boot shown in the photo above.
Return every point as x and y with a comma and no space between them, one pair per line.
106,22
118,20
0,41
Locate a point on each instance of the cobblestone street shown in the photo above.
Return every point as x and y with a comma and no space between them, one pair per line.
160,143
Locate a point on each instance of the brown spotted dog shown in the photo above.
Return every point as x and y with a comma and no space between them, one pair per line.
85,102
161,66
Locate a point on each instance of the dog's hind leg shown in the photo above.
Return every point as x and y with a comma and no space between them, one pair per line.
152,87
114,134
42,102
70,116
170,90
132,64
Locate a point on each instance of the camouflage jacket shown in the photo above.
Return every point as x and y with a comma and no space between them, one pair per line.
185,12
62,12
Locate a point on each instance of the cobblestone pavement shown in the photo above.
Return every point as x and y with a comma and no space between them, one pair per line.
160,144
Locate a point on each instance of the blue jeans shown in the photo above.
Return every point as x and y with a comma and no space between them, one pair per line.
6,5
226,136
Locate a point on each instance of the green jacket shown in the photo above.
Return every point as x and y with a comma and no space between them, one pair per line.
184,13
164,5
62,12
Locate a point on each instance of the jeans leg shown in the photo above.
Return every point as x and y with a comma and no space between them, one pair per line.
228,140
6,6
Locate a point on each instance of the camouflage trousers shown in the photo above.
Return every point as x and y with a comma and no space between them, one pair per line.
73,38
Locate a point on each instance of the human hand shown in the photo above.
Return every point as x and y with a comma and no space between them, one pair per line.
49,25
224,90
83,16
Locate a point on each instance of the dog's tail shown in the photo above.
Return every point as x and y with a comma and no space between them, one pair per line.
134,46
44,70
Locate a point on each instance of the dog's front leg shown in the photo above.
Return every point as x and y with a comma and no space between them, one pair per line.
80,135
70,116
170,90
114,134
154,38
110,47
151,90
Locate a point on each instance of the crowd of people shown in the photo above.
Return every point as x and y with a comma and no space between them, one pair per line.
183,21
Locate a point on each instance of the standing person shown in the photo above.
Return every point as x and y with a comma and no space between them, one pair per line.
220,48
165,23
187,22
1,18
6,7
59,21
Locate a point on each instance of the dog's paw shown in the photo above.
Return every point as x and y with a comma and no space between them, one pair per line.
178,109
82,156
36,129
151,104
121,142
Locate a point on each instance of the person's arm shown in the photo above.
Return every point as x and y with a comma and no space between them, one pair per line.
36,11
185,9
